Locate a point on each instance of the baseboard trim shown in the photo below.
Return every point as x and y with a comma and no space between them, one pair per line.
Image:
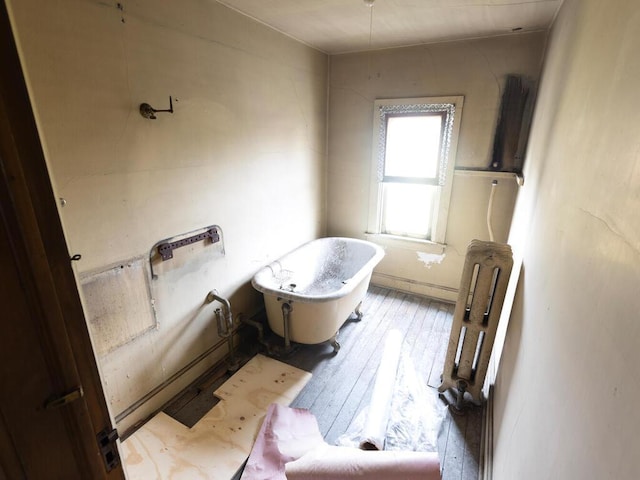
440,292
485,470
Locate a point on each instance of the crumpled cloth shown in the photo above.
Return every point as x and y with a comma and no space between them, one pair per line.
286,434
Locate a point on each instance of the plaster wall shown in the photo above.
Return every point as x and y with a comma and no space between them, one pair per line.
245,149
567,376
476,69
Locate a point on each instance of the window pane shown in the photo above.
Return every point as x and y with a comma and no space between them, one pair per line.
407,209
412,146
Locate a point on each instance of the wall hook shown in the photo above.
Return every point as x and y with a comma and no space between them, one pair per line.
147,111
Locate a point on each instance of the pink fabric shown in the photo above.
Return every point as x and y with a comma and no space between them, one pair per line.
286,434
344,463
290,439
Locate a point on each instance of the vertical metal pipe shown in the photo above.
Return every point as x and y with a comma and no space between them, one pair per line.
286,311
222,330
494,184
225,325
459,407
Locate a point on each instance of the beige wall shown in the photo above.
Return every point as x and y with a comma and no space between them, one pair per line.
476,69
245,149
565,395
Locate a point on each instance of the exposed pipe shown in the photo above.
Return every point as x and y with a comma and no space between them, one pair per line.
223,328
286,311
225,325
258,326
494,184
214,297
458,408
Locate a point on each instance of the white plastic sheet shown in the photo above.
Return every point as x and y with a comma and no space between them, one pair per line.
375,425
415,415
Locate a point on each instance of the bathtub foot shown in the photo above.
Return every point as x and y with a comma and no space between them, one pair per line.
335,344
358,312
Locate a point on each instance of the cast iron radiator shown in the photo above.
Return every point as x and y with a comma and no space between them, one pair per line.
475,320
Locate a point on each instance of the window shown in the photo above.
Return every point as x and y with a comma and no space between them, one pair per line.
413,158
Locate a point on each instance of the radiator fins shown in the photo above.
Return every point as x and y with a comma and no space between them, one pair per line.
475,320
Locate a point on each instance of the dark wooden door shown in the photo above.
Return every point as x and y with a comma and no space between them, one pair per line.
37,438
45,349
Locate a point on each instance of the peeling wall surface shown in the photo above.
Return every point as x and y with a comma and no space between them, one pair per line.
117,304
244,149
476,69
565,393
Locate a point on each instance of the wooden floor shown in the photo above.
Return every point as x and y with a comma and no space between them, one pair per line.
341,384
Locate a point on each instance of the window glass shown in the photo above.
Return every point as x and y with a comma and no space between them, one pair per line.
408,209
413,146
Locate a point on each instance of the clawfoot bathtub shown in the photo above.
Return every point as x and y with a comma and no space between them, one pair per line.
310,292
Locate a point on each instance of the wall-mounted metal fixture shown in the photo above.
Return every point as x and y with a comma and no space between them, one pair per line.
147,111
164,249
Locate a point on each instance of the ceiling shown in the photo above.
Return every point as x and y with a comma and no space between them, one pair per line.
339,26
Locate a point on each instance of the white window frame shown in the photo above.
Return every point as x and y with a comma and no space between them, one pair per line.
452,107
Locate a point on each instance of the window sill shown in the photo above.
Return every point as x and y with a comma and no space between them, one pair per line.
406,243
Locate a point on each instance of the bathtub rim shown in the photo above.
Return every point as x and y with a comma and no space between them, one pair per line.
353,282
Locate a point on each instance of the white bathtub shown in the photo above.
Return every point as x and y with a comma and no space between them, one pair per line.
316,287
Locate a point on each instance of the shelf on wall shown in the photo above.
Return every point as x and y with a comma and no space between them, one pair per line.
490,174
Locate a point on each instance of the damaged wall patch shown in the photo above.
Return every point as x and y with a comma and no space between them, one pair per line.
430,259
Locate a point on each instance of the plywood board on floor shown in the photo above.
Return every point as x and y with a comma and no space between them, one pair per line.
216,446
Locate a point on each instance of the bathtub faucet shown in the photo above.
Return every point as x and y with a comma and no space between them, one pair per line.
225,325
271,267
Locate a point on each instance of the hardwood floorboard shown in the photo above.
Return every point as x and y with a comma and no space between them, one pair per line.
438,334
423,335
359,399
443,442
472,437
440,342
412,336
451,461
